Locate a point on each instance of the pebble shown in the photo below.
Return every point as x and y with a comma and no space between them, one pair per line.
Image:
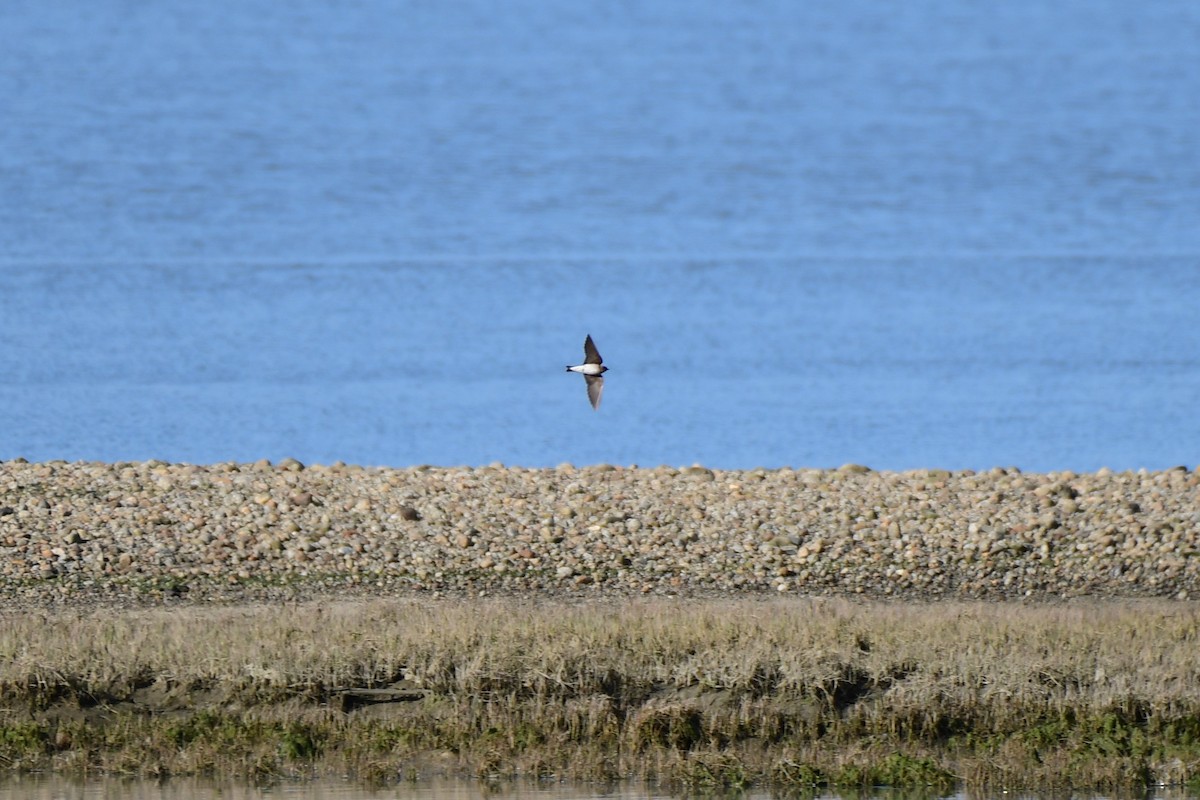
131,531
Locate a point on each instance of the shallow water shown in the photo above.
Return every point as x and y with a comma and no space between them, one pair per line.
53,788
56,788
931,235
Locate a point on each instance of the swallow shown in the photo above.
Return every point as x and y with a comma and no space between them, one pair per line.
592,369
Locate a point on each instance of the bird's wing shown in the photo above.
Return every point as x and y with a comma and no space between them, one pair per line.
590,353
595,386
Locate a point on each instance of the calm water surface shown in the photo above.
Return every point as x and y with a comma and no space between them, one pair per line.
51,788
937,234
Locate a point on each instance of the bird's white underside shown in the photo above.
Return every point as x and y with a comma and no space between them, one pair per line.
588,369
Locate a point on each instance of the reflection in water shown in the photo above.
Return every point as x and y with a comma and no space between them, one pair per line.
50,787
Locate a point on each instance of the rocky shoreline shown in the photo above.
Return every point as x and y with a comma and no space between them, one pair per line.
152,532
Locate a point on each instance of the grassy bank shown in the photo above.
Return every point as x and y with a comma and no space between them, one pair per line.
799,693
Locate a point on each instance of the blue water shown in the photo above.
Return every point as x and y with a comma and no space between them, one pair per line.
948,234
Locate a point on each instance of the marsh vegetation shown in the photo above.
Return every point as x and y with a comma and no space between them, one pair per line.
785,692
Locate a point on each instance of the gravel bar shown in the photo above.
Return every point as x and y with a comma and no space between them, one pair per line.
152,532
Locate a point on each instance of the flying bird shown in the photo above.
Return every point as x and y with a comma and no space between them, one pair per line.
592,369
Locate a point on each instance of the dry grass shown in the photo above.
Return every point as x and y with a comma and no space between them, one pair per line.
708,693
